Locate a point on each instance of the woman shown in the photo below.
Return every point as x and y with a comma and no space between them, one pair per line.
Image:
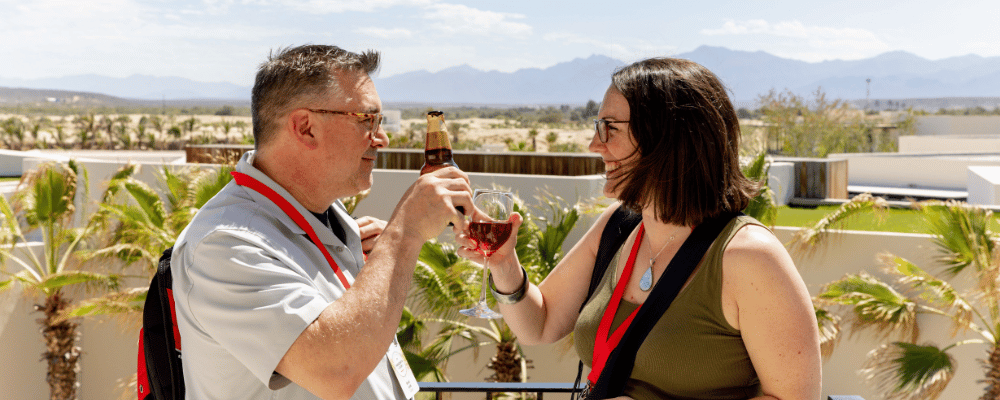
742,326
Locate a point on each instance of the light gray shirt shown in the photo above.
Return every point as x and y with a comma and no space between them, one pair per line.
247,281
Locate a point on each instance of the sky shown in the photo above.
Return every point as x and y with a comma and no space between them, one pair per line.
225,40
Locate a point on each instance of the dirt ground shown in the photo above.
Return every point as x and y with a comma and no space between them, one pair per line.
494,134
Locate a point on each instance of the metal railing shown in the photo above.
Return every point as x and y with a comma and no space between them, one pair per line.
538,388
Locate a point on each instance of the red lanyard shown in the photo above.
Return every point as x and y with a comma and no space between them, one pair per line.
249,182
604,344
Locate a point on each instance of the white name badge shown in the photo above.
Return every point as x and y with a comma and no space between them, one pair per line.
402,369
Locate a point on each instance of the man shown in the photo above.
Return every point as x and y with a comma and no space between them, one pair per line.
261,311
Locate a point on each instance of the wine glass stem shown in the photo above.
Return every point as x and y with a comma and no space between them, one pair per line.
486,271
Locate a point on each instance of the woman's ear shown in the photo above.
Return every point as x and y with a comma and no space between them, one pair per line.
300,125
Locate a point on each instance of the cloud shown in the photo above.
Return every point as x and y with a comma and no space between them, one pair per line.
800,41
340,6
789,29
634,49
460,19
395,33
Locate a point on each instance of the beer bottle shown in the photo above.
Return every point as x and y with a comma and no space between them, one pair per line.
437,146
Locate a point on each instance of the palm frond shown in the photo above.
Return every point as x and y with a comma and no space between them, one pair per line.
114,186
129,300
906,371
49,197
962,235
129,253
11,230
807,238
875,305
829,330
67,278
762,207
934,291
527,236
208,185
351,203
178,185
146,200
35,273
410,331
442,280
562,218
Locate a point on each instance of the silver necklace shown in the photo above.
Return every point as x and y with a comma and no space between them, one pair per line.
646,282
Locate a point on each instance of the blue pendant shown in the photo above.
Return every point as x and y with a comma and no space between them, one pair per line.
647,279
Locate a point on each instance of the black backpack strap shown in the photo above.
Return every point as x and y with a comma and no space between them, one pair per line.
618,368
161,341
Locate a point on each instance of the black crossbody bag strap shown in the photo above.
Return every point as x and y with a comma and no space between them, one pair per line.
620,225
618,368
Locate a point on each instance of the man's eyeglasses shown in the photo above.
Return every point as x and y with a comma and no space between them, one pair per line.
374,120
601,126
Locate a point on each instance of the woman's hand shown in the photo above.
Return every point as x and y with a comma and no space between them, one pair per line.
369,228
504,266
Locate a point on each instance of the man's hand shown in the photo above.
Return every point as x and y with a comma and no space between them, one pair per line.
370,228
430,204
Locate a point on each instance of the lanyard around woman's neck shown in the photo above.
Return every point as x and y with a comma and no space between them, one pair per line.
603,343
249,182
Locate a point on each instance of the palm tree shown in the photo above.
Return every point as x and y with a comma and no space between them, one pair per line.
121,124
445,282
108,125
46,203
904,369
762,207
13,128
86,126
143,225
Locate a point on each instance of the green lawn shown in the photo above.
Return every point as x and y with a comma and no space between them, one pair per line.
893,220
10,178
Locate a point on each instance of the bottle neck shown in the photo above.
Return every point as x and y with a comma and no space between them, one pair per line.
436,140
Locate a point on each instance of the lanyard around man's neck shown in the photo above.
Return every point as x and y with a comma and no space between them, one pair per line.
249,182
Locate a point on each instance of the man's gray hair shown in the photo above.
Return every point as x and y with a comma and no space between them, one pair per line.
294,75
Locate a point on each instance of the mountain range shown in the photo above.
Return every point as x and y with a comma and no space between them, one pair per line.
748,75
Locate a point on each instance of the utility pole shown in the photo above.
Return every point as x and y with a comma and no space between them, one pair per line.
868,93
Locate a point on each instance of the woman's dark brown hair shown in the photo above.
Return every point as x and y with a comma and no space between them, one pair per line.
687,138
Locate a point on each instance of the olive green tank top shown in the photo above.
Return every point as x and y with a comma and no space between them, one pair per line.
692,352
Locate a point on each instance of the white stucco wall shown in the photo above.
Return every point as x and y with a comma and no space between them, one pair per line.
946,125
110,349
924,170
969,144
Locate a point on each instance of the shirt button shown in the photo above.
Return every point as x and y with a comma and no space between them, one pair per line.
339,249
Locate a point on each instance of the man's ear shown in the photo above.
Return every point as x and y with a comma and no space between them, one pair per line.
300,125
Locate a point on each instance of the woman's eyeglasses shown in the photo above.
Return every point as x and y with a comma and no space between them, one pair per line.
601,126
374,120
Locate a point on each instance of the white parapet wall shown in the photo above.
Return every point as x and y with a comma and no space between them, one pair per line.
958,144
110,348
781,181
920,170
984,186
948,125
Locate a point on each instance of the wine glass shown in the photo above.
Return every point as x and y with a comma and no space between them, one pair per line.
490,229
